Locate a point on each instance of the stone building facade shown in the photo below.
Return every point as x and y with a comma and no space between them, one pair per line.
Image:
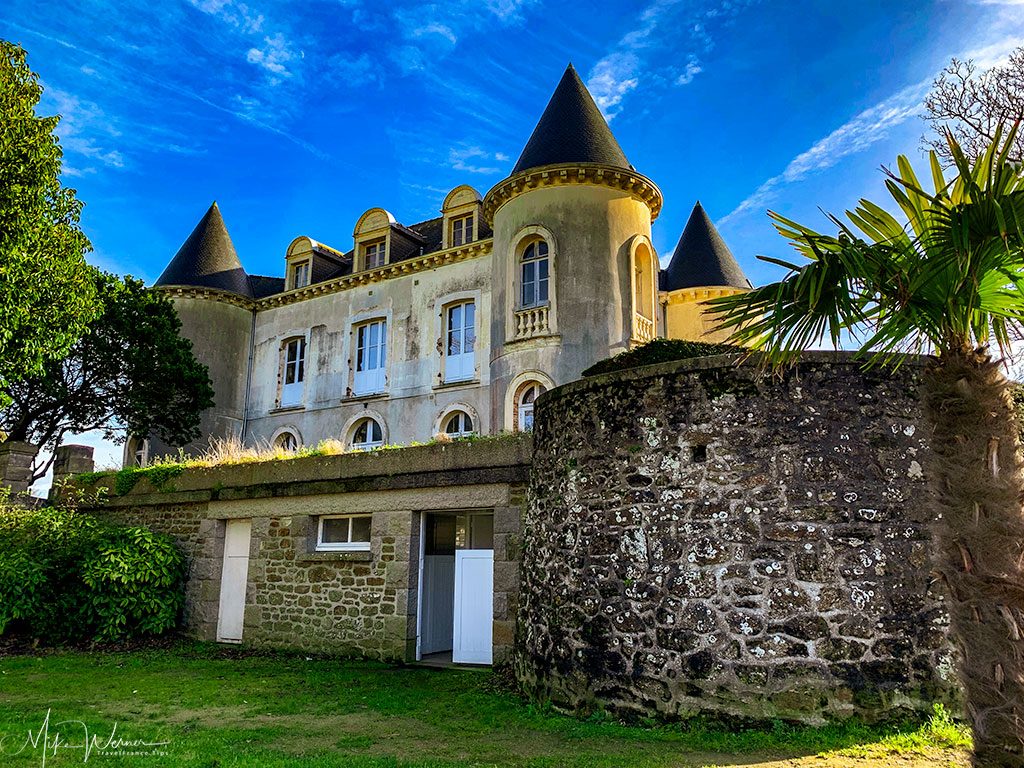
451,325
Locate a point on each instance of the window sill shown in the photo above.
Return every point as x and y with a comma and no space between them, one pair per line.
288,408
367,396
351,556
474,382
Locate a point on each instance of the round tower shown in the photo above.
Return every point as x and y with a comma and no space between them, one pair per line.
214,300
575,277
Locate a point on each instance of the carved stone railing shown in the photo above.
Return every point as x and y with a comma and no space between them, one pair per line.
643,328
532,321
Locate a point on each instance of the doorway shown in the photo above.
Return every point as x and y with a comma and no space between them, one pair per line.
233,580
456,588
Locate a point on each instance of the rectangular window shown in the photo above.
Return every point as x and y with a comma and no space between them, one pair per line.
300,275
371,357
460,345
344,533
374,255
294,372
462,231
535,283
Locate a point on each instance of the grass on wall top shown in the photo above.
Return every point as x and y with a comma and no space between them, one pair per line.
660,351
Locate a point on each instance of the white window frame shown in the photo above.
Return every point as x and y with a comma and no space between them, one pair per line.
341,546
536,282
462,229
367,380
370,443
461,366
379,250
462,416
292,392
526,410
140,452
282,439
302,273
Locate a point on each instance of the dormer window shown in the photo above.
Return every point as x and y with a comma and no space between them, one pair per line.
462,231
374,254
300,274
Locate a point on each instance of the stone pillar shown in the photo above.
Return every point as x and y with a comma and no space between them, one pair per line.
16,465
71,460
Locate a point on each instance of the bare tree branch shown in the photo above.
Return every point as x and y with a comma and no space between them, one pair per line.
973,104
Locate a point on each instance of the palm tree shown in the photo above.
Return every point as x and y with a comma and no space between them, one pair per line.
948,283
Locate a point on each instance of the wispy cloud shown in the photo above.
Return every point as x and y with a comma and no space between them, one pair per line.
863,130
856,135
237,15
273,56
640,54
86,132
472,159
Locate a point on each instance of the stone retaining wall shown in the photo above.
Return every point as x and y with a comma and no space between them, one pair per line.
357,603
701,538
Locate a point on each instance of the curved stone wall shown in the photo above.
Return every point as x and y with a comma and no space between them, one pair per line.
702,538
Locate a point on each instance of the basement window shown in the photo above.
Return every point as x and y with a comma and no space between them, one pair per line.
344,533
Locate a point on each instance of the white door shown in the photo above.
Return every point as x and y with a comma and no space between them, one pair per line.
234,577
474,606
438,582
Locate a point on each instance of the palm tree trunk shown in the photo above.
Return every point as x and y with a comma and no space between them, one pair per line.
978,487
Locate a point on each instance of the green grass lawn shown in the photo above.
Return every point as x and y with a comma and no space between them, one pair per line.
217,708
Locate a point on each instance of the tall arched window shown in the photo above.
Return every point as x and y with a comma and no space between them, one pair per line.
367,434
643,293
534,268
525,400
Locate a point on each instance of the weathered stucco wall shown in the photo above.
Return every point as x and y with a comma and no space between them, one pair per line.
704,539
357,603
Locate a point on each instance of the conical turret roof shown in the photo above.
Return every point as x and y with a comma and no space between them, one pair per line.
702,258
571,130
207,259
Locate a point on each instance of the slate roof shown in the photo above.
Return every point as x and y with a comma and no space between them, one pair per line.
702,258
571,130
207,259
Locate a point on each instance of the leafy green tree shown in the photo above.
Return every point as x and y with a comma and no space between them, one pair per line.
949,282
46,293
131,371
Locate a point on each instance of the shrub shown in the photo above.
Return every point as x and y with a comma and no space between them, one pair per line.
66,576
660,351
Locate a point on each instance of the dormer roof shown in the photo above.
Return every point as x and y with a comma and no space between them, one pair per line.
701,258
207,259
571,130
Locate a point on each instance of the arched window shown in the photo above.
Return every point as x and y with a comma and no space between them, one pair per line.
643,293
525,399
138,451
534,269
458,424
367,435
287,441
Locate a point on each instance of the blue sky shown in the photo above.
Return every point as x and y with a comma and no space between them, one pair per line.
297,117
